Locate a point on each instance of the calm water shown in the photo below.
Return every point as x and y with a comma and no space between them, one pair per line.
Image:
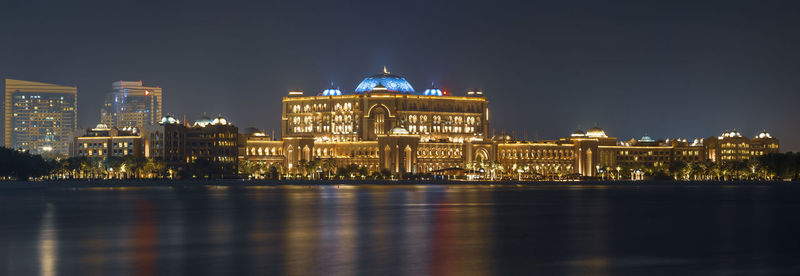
403,230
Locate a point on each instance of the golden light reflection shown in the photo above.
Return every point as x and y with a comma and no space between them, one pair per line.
463,234
48,242
329,230
300,235
418,232
594,243
338,235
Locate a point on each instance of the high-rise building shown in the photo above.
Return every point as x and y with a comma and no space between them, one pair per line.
39,117
130,104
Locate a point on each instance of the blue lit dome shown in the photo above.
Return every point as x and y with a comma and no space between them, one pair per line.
433,91
646,138
167,120
393,83
332,91
203,121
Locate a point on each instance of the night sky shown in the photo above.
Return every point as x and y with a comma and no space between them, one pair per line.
663,68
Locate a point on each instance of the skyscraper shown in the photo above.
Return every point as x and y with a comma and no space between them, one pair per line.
39,117
130,104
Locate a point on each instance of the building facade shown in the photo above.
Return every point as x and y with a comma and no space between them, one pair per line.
207,146
39,117
103,141
131,104
384,124
732,146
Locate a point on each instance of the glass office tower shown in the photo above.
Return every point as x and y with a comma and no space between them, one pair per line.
130,104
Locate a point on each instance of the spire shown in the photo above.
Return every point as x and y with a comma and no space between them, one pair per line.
385,71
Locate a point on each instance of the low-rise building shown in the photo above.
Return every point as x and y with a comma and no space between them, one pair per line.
104,141
732,146
208,147
384,124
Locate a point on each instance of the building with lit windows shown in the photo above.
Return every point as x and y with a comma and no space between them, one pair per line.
131,104
103,141
385,124
39,117
732,146
210,142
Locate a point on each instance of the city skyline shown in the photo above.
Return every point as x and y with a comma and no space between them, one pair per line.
547,68
517,133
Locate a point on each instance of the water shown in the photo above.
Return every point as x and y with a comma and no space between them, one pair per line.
625,229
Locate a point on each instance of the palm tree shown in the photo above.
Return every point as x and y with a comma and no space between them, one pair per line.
313,166
159,167
136,165
329,165
279,168
247,167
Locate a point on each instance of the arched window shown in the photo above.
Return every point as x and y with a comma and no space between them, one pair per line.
379,117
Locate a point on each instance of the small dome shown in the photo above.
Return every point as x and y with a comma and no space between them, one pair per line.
433,91
169,120
503,137
130,129
203,121
764,134
398,131
647,139
730,134
101,126
578,133
332,91
220,121
391,83
596,132
251,131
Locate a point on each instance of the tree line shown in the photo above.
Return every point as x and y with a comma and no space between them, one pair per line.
313,169
19,165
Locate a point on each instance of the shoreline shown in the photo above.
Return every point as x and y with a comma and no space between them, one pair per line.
133,183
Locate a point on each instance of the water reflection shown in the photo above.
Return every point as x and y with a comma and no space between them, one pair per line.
48,243
398,230
409,231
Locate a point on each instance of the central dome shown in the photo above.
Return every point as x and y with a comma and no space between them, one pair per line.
596,132
393,83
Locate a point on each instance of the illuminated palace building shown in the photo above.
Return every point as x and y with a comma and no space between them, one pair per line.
385,124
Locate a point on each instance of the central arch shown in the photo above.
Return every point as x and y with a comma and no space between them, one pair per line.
481,155
379,118
369,112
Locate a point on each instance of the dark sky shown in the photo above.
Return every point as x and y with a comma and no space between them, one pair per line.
664,68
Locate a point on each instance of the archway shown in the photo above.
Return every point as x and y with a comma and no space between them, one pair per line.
380,119
481,155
